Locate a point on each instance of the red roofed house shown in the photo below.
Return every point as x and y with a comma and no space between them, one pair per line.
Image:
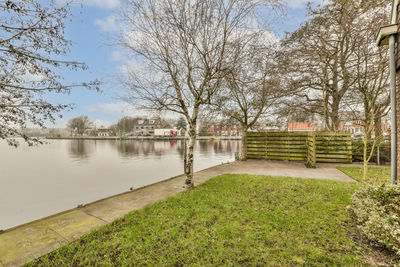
301,126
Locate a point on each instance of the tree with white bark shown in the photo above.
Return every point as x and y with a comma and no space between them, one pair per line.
180,47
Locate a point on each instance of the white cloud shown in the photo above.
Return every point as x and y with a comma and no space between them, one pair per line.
117,109
104,4
107,4
107,24
102,123
301,3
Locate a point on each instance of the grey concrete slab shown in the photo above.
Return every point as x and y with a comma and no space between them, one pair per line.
73,224
27,242
34,239
284,168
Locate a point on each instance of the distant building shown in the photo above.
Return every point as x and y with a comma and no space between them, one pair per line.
219,130
301,126
354,127
172,132
146,127
103,132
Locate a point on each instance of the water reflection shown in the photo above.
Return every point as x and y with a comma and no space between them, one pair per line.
64,173
81,149
84,149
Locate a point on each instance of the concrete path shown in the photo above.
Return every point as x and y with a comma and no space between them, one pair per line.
26,242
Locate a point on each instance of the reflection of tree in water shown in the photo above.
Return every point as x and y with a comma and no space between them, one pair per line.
204,146
228,146
81,149
132,148
127,148
218,147
180,146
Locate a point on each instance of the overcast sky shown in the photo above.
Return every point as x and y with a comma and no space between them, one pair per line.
89,32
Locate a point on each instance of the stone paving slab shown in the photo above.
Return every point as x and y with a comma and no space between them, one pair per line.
26,242
73,224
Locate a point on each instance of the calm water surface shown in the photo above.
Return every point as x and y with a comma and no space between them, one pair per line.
43,180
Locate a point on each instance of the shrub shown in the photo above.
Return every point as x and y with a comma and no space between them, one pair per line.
358,151
377,211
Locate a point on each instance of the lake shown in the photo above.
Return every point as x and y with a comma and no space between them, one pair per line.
42,180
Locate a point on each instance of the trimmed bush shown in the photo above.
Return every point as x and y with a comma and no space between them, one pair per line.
377,211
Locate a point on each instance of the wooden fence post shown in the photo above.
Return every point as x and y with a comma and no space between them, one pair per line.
266,145
311,151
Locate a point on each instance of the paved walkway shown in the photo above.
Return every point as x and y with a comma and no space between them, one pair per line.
26,242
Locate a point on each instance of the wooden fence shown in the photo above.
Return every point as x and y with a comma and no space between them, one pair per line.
310,147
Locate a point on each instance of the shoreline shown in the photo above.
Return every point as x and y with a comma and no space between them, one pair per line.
141,138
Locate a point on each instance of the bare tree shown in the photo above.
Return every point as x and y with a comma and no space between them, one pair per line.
249,86
31,42
182,45
318,60
126,124
336,67
79,124
370,93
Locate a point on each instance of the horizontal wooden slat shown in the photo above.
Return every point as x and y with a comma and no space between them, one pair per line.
285,151
332,156
303,146
333,161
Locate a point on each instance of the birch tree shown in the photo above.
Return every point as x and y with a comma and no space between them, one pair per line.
179,48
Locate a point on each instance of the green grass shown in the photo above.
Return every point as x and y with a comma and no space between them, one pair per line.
375,175
229,220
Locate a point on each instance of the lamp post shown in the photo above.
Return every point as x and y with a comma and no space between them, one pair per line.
387,36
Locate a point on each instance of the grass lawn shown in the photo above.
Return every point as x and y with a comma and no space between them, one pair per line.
375,175
229,220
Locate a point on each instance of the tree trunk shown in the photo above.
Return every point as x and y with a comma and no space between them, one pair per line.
335,114
189,163
243,152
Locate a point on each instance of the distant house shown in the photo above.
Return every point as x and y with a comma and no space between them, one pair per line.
219,130
301,126
146,127
355,127
103,132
